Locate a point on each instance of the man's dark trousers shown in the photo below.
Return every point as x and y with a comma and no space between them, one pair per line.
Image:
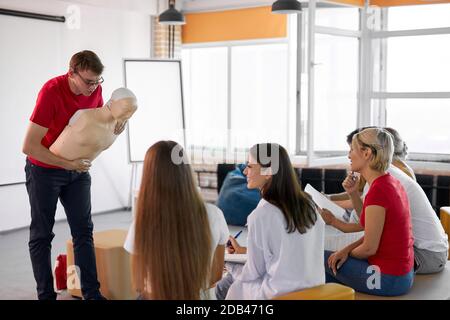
44,187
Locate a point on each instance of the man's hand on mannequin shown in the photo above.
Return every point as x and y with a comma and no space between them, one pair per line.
79,165
32,147
120,126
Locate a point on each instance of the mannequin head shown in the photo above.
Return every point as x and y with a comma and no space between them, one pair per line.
122,104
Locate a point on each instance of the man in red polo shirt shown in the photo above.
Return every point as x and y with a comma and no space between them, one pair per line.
49,177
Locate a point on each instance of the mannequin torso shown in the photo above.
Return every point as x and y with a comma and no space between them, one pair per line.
91,131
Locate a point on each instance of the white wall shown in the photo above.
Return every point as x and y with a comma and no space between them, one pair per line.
119,31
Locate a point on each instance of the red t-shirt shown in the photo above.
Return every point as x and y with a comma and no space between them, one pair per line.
395,254
55,105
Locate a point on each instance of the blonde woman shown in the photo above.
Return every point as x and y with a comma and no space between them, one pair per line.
380,263
177,241
398,160
430,239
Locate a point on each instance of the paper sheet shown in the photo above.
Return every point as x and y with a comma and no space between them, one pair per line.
336,240
323,202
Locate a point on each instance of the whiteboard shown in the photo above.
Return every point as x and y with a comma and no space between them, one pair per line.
29,56
158,88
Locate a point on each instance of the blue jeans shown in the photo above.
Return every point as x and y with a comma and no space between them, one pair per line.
223,286
45,186
359,275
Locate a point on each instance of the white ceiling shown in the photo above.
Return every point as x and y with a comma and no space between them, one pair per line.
57,7
147,6
152,7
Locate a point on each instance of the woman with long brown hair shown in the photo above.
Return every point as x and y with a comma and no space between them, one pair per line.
285,232
177,241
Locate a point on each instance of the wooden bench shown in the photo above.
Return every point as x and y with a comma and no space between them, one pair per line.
425,287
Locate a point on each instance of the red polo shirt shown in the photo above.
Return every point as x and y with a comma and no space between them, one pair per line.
55,105
395,254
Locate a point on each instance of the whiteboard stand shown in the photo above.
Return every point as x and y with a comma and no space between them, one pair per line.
158,87
133,188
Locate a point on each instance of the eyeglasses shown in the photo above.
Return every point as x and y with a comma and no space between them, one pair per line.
90,82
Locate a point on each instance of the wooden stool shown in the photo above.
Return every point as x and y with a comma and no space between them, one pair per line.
445,221
113,266
328,291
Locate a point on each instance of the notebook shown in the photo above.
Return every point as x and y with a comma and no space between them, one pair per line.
236,257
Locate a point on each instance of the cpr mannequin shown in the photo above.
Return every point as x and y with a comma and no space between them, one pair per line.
90,131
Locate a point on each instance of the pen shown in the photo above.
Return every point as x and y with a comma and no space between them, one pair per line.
237,235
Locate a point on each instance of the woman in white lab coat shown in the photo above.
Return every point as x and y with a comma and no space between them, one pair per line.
285,233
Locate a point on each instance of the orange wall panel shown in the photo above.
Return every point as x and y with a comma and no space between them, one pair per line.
230,25
355,3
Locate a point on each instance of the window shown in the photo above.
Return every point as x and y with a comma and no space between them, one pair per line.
414,95
244,92
259,94
418,63
205,88
332,84
223,121
335,96
419,17
422,123
342,18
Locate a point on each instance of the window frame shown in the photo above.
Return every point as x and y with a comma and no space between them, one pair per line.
418,159
238,154
310,157
372,76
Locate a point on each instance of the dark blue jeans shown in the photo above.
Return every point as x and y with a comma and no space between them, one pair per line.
359,275
44,187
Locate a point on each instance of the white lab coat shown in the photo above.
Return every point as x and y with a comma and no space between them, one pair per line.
279,262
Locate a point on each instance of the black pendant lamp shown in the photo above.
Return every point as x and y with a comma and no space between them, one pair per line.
286,6
171,16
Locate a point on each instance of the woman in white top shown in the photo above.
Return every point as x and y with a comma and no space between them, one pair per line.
285,233
430,239
177,242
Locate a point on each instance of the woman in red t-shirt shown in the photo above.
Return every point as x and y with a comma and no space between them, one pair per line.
381,262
